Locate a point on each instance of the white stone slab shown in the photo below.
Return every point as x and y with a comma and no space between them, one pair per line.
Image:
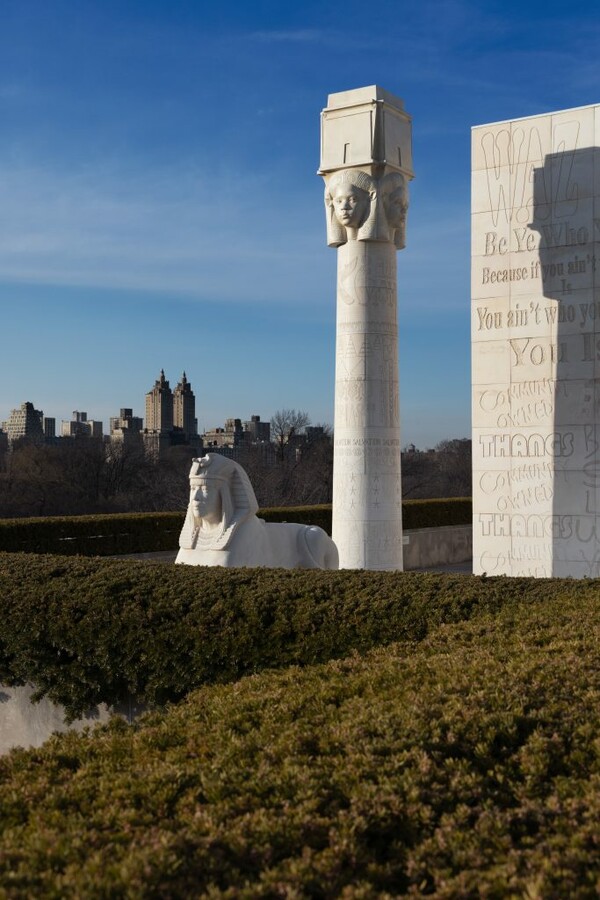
536,344
24,723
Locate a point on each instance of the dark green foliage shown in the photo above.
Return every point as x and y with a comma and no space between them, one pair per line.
415,513
91,630
305,515
108,535
122,533
435,513
466,765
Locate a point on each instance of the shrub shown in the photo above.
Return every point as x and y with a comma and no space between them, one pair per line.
465,765
436,513
106,535
122,533
305,515
86,631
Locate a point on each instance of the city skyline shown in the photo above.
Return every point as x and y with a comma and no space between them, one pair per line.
148,421
161,207
179,416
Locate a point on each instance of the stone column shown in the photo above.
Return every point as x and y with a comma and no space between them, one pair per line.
366,163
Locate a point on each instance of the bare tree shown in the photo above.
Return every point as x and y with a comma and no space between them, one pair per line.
285,425
443,472
455,467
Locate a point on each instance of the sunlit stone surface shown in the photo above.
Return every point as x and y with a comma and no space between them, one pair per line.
536,345
366,163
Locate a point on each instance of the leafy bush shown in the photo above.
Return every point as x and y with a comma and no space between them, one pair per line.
108,535
305,515
111,535
435,513
466,765
87,631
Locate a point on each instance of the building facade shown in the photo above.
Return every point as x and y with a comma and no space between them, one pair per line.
25,422
159,406
170,417
258,432
184,409
81,426
126,428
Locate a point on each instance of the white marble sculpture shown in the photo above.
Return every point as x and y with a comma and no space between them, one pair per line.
366,163
221,527
536,345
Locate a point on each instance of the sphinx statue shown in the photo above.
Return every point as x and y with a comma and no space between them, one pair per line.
221,527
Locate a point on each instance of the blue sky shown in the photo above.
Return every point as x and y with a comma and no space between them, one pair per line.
159,206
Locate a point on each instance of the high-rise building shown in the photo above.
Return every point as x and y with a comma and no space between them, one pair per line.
126,428
184,408
258,432
159,406
81,426
49,425
230,436
25,422
170,417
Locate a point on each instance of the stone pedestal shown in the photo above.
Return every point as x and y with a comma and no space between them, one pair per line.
536,345
366,163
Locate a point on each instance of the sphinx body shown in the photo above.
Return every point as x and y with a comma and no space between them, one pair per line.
221,527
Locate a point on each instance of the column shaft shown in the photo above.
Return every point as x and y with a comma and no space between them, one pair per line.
367,495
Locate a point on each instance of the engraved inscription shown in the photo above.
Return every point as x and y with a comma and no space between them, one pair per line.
582,528
536,347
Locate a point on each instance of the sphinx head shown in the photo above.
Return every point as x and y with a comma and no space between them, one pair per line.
221,497
211,503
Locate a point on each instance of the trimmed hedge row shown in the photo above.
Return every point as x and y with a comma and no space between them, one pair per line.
86,631
465,766
123,533
415,513
437,513
107,535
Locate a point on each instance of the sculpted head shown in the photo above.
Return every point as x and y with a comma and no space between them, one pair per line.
206,502
350,204
210,492
348,200
221,497
394,190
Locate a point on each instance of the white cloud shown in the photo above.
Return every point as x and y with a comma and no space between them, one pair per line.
300,36
164,230
218,237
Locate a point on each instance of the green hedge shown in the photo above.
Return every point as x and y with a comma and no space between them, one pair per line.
465,766
91,630
435,513
107,535
112,535
306,515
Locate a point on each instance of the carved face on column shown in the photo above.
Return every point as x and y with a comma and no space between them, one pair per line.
350,205
349,197
395,203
